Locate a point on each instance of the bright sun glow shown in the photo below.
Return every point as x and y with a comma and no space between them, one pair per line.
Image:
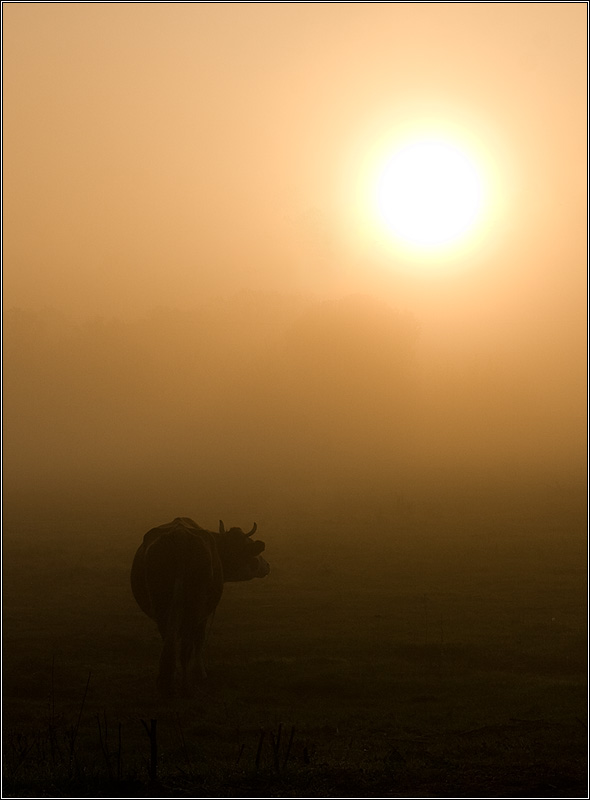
429,194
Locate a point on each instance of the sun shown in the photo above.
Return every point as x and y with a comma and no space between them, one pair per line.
429,193
424,197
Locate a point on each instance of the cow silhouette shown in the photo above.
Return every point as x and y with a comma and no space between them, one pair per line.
177,579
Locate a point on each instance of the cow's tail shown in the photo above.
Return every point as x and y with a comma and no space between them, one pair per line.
188,599
175,615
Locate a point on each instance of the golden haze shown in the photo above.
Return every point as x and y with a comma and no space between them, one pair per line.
190,268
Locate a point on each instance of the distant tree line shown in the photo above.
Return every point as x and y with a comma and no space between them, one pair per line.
268,385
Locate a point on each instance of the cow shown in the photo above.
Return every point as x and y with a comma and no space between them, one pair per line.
177,579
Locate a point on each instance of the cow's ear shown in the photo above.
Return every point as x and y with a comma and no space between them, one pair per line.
258,547
221,528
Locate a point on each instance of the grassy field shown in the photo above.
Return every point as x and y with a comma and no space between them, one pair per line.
419,647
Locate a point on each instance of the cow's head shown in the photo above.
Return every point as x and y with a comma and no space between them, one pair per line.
240,555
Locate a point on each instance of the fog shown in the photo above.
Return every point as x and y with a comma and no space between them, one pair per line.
197,301
206,315
261,400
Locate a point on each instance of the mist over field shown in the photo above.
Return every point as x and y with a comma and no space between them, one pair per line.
262,398
423,626
322,267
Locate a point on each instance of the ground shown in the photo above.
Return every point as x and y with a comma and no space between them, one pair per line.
421,646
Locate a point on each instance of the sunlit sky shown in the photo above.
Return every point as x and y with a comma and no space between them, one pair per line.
159,154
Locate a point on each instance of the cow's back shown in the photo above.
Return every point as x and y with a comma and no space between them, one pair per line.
177,577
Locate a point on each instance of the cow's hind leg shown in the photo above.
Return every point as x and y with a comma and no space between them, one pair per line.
167,664
186,651
191,657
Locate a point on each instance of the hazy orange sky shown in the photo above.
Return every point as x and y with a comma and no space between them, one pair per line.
158,154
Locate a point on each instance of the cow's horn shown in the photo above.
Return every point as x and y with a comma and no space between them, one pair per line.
221,528
253,531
